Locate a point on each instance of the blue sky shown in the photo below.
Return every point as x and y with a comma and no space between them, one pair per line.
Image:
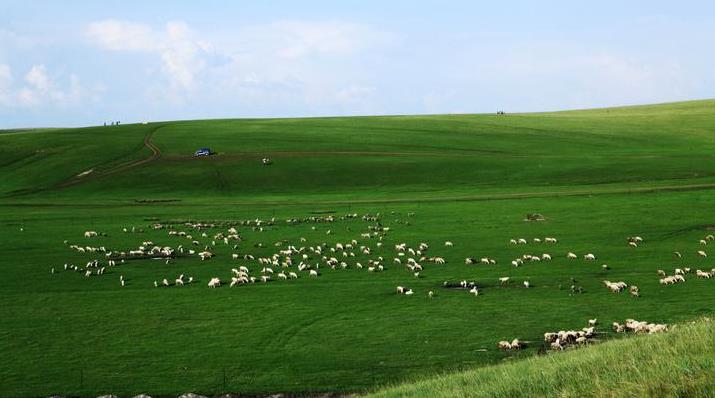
72,63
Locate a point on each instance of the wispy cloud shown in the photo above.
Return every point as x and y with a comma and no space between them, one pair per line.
181,52
38,88
274,60
292,39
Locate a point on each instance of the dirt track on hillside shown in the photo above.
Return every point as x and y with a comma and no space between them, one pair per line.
90,174
155,154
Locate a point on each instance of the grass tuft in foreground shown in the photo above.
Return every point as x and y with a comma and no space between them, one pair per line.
680,363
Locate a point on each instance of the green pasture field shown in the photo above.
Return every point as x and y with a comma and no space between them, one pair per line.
597,176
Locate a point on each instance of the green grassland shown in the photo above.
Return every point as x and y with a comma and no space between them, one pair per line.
678,364
597,176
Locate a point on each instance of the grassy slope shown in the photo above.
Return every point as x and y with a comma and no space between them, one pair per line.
397,156
680,363
345,331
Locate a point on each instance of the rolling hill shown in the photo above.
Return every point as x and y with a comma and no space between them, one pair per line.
597,177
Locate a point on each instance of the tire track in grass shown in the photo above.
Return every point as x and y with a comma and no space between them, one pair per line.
421,199
155,154
89,175
484,197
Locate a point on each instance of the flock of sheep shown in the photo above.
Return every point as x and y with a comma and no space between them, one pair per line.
570,338
288,261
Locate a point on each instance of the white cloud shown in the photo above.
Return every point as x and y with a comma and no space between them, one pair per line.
37,78
38,88
300,38
123,36
181,53
307,65
5,84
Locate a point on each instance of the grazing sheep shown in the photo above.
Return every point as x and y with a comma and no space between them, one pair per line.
702,253
448,244
702,274
571,256
589,257
526,284
634,291
313,273
634,326
618,328
504,280
615,287
592,322
430,294
205,255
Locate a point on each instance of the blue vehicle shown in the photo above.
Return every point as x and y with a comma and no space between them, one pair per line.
203,152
